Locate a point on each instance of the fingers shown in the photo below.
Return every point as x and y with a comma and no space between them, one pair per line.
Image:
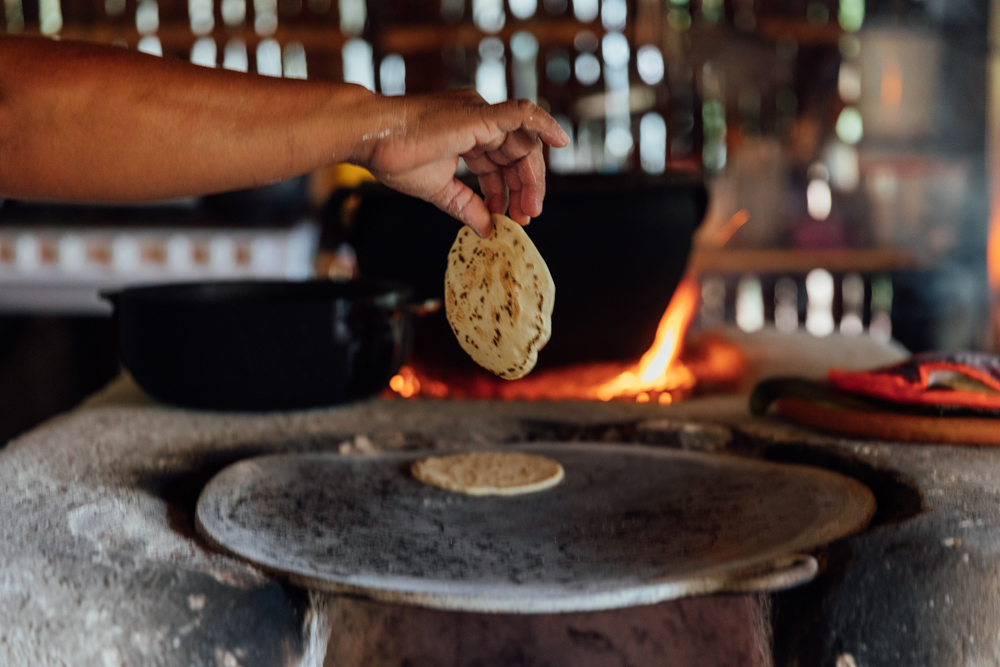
516,165
501,143
459,201
517,114
493,125
494,190
514,146
516,212
526,180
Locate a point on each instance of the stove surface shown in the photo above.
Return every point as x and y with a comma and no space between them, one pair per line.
102,566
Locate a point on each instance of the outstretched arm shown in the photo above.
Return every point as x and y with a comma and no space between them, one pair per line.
81,122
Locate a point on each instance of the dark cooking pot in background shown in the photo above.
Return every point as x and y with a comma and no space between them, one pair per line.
263,345
617,247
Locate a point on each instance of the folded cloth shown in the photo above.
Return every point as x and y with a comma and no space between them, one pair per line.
962,379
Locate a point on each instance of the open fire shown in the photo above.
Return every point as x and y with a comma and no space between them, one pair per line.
669,371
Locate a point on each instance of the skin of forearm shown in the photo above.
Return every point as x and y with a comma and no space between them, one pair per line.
81,122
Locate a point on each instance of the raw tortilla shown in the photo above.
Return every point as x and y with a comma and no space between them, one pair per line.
489,473
498,297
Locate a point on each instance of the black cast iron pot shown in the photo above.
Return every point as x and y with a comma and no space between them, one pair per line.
263,345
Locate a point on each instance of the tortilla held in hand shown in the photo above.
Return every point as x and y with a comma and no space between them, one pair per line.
498,297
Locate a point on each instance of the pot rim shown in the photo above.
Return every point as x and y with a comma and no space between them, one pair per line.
220,292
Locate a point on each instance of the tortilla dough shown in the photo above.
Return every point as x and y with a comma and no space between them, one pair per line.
489,473
498,297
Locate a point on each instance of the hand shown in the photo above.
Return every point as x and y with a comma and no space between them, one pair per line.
419,139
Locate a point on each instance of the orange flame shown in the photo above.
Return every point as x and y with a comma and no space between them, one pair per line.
660,376
993,252
659,370
993,274
405,383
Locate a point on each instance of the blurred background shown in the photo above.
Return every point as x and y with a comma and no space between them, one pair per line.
842,142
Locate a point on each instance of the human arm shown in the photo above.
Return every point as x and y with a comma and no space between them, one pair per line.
81,122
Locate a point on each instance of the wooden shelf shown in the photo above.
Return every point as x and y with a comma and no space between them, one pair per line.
408,40
803,32
327,38
861,260
178,36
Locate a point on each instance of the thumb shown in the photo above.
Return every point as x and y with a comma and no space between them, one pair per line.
458,200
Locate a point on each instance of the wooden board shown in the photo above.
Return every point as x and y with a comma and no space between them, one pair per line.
628,525
890,426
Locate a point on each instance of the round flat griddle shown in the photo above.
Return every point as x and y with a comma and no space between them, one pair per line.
628,525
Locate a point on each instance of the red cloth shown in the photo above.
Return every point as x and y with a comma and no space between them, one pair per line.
909,382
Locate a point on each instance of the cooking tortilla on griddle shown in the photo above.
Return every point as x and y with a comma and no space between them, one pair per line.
489,473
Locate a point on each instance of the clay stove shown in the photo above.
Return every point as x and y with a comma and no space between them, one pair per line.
102,565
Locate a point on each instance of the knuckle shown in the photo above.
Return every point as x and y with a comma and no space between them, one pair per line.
524,105
454,200
472,96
